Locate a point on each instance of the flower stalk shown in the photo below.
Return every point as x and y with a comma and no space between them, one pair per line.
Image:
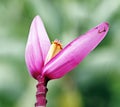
41,100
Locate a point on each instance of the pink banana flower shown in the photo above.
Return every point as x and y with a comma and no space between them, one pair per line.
46,61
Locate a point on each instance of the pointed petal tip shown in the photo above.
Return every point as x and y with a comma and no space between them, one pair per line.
36,18
102,28
106,23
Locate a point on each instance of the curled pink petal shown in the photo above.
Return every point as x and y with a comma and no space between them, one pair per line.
37,47
75,52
